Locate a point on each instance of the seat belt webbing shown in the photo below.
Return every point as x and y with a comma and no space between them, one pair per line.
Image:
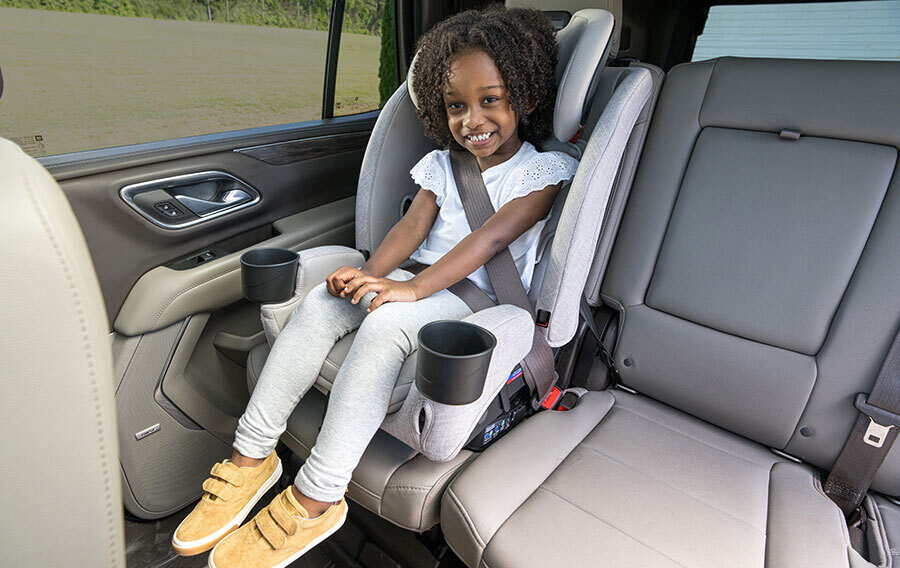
538,366
585,309
872,436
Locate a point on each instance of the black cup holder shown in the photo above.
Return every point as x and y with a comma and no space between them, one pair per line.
452,361
269,274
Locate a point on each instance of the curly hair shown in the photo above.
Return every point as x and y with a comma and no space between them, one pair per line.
522,44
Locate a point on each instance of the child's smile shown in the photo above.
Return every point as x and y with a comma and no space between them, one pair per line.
478,112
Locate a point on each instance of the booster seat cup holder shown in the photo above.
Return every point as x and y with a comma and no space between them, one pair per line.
269,274
452,362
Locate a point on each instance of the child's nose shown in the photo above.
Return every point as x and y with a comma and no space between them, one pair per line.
474,119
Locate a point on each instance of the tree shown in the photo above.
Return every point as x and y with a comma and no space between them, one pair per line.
387,66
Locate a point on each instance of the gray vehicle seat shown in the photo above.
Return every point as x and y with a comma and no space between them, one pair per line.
755,276
392,479
60,502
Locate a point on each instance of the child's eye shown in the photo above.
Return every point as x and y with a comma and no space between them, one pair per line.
454,106
490,99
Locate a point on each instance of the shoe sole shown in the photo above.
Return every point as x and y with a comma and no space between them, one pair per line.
194,547
287,561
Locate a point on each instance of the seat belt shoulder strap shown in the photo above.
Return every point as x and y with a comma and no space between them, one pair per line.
539,365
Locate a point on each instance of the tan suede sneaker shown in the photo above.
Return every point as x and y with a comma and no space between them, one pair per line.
278,535
229,496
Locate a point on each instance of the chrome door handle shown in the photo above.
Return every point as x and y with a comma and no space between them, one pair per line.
204,207
186,200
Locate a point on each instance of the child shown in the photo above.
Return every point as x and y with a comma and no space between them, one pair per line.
484,82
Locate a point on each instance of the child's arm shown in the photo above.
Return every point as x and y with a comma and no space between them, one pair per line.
400,242
501,229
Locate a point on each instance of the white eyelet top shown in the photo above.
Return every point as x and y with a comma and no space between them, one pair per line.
527,171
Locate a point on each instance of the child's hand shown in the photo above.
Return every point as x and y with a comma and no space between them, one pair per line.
388,290
338,280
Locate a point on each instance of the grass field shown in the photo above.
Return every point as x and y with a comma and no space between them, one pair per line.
83,81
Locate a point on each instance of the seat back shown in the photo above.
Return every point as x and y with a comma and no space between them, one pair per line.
755,271
60,499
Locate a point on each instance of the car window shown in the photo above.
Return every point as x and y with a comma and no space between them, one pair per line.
104,74
817,30
367,58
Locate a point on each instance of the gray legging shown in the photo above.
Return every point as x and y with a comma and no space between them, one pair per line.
362,388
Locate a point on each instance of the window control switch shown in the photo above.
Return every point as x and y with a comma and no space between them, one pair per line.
168,209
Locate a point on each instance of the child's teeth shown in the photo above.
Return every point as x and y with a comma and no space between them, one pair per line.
480,137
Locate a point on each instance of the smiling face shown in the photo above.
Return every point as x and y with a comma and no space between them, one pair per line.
479,115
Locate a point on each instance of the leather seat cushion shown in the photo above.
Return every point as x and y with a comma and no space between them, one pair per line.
631,482
333,361
392,480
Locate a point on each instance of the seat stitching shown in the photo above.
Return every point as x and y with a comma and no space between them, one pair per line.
658,247
88,355
688,436
467,519
409,487
607,523
706,92
434,487
366,489
661,482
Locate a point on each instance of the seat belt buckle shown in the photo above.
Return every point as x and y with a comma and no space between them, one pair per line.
567,401
880,421
550,400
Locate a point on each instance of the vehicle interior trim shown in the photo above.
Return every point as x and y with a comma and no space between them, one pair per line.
89,162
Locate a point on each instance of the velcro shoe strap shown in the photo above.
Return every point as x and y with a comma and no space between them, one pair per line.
281,515
219,489
270,530
229,474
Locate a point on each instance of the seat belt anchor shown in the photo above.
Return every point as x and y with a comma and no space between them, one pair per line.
878,430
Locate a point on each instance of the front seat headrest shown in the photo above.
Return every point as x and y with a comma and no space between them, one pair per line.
584,45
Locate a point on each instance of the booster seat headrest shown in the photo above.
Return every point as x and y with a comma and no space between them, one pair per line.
584,45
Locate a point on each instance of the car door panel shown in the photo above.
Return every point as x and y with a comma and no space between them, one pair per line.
124,245
163,295
180,328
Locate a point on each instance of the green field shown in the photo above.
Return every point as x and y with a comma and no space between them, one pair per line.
84,81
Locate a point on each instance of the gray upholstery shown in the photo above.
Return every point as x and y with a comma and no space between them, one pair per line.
585,206
396,144
392,480
314,265
622,187
797,300
631,482
756,282
883,531
446,428
60,502
583,43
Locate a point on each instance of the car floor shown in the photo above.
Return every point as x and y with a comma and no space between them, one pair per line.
365,541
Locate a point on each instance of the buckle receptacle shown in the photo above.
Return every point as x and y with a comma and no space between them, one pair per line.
880,421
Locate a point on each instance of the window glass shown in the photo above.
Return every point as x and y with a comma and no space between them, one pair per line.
367,59
87,74
821,30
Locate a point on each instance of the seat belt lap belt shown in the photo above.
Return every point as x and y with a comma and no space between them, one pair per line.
538,366
872,436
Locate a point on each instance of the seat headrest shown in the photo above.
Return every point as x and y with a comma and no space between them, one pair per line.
584,45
